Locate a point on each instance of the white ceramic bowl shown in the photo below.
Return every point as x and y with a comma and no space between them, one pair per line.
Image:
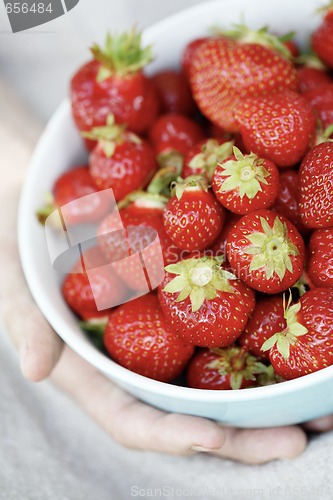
60,147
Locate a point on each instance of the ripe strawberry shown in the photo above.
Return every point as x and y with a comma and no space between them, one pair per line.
219,248
266,320
322,37
142,219
311,78
316,187
312,73
193,218
138,337
320,263
187,56
223,369
102,287
121,160
174,132
224,72
69,187
286,203
279,127
244,183
320,99
205,304
174,92
266,251
113,82
305,345
291,45
203,157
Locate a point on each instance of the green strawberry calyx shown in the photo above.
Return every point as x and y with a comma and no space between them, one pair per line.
237,363
171,165
211,154
303,285
191,183
271,249
294,329
325,9
199,279
49,206
323,135
95,328
246,174
121,55
95,325
310,60
269,377
328,132
110,135
143,199
243,34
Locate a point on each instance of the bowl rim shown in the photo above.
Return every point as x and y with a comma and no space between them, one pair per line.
90,353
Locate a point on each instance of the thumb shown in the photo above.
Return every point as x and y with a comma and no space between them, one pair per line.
39,349
38,345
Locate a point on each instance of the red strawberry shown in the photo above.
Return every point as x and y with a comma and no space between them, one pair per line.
322,37
69,187
291,45
266,251
224,72
244,183
204,156
121,160
311,78
305,345
286,203
114,83
174,132
138,337
187,56
174,92
312,73
320,99
223,369
320,264
316,187
102,287
266,320
219,248
143,221
205,304
279,127
193,218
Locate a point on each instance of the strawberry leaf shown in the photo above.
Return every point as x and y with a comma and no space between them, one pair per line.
121,55
198,279
245,174
269,343
283,347
272,249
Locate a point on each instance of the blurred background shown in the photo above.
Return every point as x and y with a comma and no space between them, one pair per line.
38,63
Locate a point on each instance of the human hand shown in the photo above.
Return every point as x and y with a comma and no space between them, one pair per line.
42,353
129,421
139,426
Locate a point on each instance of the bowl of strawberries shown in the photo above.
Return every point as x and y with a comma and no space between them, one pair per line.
185,247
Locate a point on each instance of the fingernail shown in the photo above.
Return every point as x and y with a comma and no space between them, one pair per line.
202,449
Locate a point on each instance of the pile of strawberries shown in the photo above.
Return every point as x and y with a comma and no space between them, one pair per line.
229,160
